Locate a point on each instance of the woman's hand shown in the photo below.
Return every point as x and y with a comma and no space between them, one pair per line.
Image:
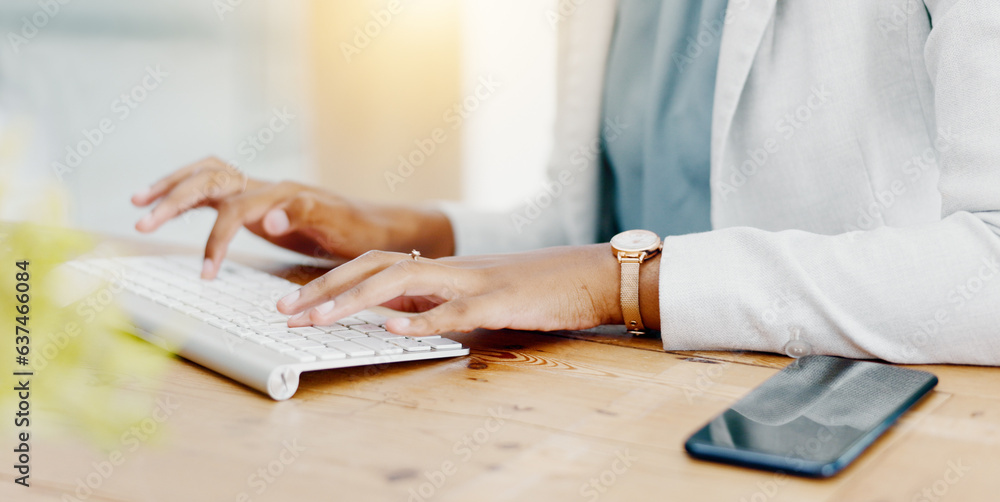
549,289
297,217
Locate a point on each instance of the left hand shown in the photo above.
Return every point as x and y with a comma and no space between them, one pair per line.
549,289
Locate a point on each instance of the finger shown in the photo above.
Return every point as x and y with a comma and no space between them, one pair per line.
276,222
337,280
463,314
233,213
146,196
406,278
227,224
197,190
303,213
297,208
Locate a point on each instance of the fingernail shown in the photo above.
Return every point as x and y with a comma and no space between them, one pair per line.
324,307
142,194
290,298
276,221
206,268
403,323
146,220
298,317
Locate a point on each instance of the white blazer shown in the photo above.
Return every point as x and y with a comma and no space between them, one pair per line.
855,178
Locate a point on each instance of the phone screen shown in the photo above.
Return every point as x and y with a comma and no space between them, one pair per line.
813,417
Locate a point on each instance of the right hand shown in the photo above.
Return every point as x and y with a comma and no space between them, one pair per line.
304,219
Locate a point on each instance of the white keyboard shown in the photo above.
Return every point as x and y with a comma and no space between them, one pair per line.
230,324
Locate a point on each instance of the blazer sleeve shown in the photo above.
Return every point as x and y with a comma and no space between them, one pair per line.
918,294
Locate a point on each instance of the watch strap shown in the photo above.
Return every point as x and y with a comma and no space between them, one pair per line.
630,296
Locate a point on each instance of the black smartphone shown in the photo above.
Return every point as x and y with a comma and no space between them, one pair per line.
812,418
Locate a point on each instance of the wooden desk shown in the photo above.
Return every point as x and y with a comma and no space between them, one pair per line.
527,416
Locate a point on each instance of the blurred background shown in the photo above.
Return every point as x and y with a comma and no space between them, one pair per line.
99,98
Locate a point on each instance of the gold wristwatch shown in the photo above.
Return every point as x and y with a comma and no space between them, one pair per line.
633,247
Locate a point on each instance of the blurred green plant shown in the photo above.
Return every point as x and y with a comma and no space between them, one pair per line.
90,379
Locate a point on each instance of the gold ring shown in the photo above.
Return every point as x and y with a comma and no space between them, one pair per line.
415,254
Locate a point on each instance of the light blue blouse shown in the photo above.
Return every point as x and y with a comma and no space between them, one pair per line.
659,86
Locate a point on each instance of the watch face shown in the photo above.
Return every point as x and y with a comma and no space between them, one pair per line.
634,241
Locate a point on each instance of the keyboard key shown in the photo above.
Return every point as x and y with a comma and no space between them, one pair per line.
248,296
380,347
305,330
325,337
372,318
367,328
304,344
244,320
232,303
260,339
270,328
383,335
282,336
217,309
165,301
332,329
441,343
202,303
410,345
240,331
350,321
327,353
274,318
280,347
350,334
230,315
172,291
191,287
352,349
220,323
